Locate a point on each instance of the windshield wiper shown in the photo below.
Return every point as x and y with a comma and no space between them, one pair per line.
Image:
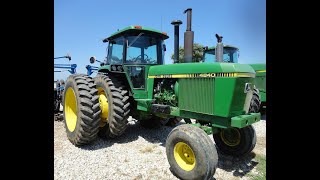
135,40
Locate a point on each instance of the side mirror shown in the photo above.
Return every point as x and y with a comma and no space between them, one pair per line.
68,56
164,47
105,40
92,59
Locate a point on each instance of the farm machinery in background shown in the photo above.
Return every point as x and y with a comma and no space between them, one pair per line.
59,85
231,55
133,81
91,69
70,67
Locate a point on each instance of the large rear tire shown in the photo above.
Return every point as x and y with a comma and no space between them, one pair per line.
114,105
191,153
255,102
235,141
81,109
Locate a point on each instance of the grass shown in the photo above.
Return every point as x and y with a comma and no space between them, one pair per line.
260,169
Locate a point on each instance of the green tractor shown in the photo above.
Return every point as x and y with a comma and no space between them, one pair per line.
133,81
230,55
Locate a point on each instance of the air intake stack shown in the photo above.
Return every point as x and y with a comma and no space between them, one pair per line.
188,38
219,49
176,24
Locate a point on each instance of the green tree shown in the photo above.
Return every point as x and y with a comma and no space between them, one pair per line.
197,52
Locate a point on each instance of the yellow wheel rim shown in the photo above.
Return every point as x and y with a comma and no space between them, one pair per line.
104,106
70,105
184,156
230,137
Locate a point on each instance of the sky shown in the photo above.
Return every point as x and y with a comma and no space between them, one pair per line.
80,26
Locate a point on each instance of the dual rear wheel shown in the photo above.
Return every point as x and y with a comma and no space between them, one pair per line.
114,105
92,107
81,109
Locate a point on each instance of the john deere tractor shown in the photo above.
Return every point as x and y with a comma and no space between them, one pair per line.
134,81
230,55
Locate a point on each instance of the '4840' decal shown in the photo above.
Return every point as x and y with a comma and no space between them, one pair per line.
203,75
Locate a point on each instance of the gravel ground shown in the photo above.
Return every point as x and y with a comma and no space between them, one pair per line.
138,154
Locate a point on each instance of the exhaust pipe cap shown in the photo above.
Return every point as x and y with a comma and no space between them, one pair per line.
176,22
187,10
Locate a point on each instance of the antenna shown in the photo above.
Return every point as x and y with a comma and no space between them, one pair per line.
161,24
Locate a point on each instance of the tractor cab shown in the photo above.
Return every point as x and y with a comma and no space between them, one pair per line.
230,54
133,50
136,45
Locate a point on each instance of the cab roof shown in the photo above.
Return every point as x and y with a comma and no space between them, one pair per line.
130,29
214,47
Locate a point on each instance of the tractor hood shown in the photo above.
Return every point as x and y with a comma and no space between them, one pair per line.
259,68
241,70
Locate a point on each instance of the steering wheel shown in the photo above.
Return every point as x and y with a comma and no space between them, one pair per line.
135,59
115,58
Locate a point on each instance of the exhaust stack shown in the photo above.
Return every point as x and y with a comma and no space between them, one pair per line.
219,49
176,24
188,38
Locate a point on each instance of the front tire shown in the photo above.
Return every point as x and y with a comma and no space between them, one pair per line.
191,153
81,109
235,141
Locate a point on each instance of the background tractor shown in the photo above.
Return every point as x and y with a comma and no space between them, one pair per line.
231,55
260,83
133,81
59,86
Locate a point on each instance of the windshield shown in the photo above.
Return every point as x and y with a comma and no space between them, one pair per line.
115,55
144,49
230,55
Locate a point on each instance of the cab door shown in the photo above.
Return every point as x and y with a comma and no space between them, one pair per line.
141,52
